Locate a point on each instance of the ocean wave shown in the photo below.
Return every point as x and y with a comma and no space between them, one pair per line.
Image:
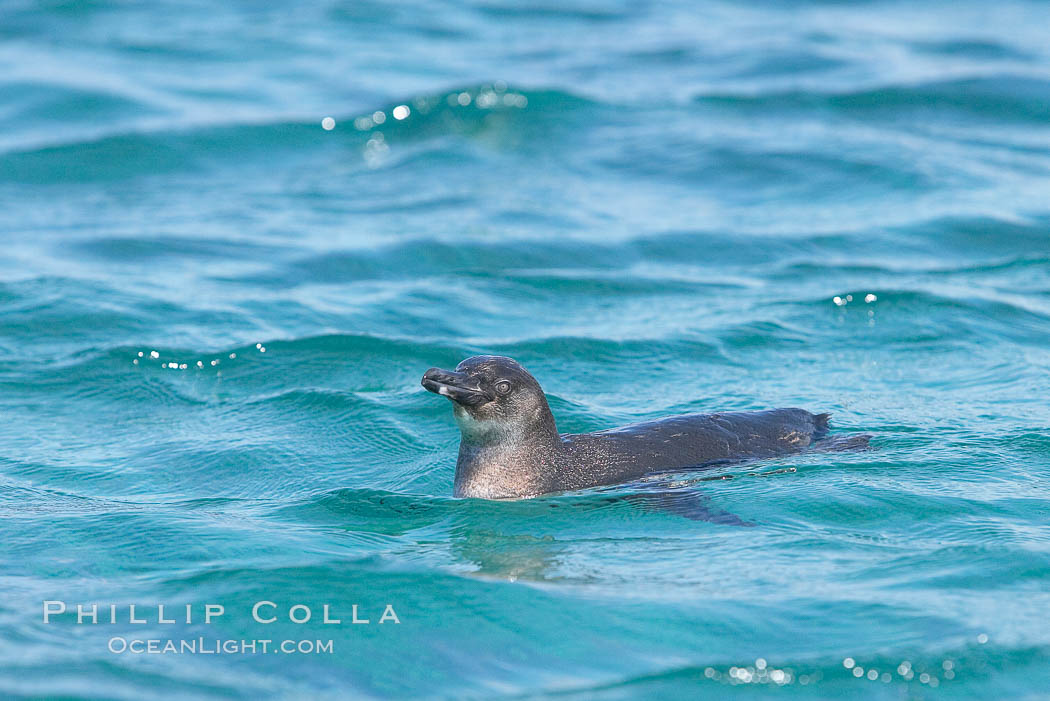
875,675
1010,98
491,112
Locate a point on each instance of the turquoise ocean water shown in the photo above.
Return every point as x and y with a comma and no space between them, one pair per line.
214,314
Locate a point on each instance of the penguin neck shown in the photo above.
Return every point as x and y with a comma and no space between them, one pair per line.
499,460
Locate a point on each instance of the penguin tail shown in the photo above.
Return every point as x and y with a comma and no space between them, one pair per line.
821,424
823,443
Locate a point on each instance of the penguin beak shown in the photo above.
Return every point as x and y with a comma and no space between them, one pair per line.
457,386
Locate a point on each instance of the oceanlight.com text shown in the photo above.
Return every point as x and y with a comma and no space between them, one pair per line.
214,646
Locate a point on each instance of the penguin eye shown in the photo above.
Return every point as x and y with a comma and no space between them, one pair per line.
503,387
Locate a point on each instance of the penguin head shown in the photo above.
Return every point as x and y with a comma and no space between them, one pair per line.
494,398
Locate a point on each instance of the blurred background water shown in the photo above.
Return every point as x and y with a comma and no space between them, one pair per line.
214,313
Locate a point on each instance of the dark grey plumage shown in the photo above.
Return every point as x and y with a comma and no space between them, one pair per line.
510,445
